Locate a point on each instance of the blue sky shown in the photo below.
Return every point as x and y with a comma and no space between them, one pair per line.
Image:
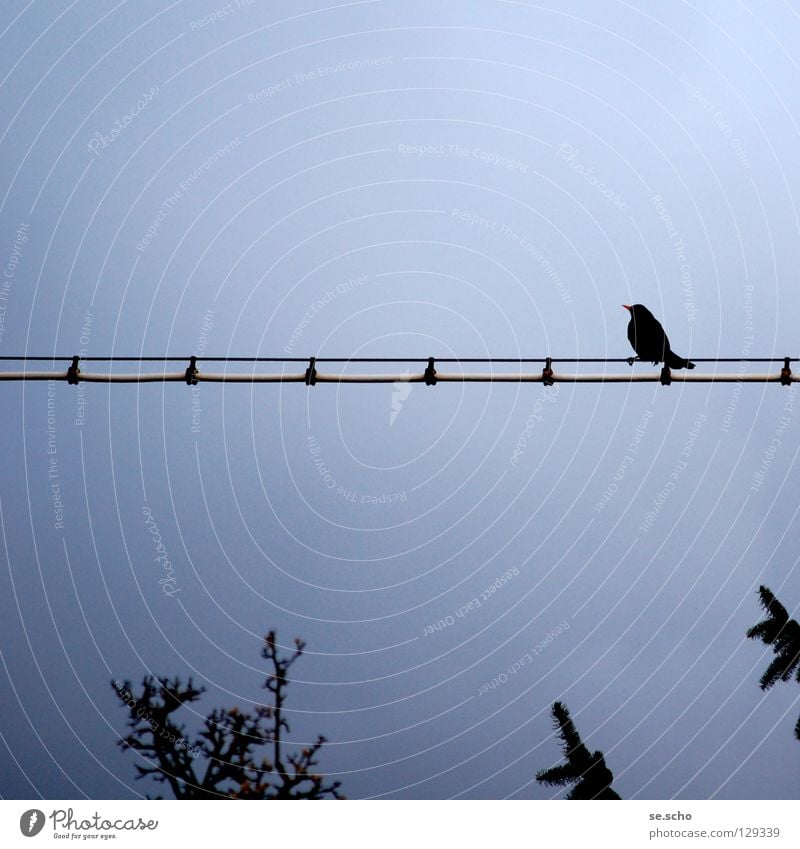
411,180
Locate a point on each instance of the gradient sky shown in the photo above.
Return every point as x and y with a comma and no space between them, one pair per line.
405,179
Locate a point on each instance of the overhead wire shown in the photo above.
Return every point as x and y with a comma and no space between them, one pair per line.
193,375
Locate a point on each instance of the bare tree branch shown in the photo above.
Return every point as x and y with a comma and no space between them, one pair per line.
226,746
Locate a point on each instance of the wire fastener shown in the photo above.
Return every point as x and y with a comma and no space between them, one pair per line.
547,372
311,372
430,373
786,373
191,372
73,371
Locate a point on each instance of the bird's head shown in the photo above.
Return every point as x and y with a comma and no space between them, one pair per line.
638,311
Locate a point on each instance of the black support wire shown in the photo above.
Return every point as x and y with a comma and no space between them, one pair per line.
429,375
242,359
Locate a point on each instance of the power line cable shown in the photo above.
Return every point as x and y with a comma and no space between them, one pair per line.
192,375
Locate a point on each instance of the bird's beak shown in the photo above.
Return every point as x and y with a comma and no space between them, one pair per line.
629,309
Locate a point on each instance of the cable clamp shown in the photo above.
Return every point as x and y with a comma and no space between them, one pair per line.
786,373
547,372
430,373
73,371
191,372
311,372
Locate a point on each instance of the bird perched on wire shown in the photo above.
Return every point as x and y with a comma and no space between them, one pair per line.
648,339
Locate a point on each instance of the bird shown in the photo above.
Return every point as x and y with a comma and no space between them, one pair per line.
648,339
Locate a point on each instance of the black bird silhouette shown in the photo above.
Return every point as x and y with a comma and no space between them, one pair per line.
648,339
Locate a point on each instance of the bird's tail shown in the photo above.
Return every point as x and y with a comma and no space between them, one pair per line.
674,361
